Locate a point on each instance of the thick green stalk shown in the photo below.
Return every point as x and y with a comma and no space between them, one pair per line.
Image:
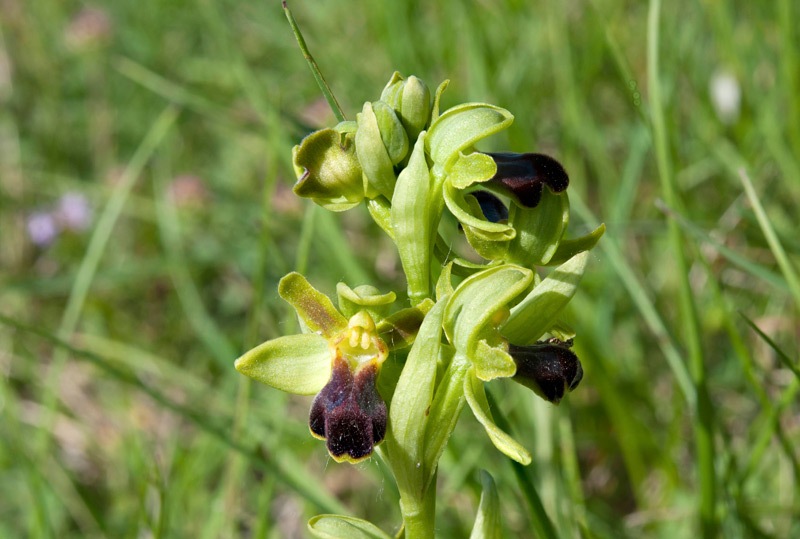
419,514
703,425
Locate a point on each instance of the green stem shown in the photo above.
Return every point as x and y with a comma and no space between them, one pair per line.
323,85
419,513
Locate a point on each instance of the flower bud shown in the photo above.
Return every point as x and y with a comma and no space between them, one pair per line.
327,168
522,176
549,368
411,100
381,143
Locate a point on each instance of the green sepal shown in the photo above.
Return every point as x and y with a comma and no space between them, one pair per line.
416,210
539,229
344,527
539,310
568,248
313,307
380,142
411,401
487,521
476,398
400,329
299,364
460,127
328,170
364,297
473,309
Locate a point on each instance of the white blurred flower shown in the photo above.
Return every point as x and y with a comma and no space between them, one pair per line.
726,96
42,228
74,212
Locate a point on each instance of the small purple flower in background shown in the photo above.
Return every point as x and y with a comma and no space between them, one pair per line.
42,228
73,212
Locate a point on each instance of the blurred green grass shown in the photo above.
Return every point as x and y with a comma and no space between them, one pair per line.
142,427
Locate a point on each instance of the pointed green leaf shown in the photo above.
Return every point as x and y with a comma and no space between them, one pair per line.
476,398
487,522
343,527
416,210
412,398
299,364
313,307
462,126
539,310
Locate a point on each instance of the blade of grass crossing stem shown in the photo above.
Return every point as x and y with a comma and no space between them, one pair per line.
703,424
91,261
290,472
774,243
312,64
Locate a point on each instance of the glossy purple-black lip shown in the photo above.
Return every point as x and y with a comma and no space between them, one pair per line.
522,176
349,413
549,368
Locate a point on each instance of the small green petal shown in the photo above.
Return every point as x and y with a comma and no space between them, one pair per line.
364,297
476,398
492,362
313,307
472,168
341,527
299,364
531,317
460,127
487,521
570,247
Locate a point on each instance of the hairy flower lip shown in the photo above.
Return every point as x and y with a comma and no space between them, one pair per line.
348,413
523,176
549,368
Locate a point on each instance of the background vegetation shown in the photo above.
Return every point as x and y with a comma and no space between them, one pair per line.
146,216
